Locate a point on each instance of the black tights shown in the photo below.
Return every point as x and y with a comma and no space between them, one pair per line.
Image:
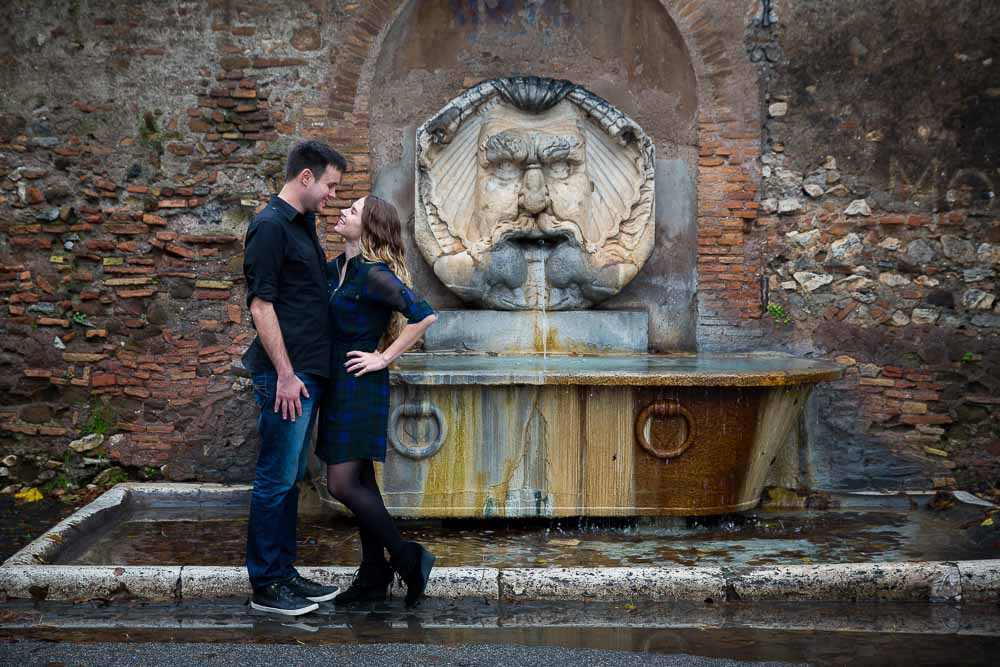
353,483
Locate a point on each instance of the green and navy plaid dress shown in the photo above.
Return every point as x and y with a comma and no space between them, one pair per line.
354,416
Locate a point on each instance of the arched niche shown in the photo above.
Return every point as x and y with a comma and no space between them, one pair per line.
629,52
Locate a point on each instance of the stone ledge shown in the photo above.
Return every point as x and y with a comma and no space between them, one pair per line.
933,582
613,583
979,580
88,582
849,582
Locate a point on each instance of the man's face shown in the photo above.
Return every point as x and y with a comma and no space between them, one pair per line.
318,191
531,183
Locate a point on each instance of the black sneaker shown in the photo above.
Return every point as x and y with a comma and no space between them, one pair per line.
311,590
279,598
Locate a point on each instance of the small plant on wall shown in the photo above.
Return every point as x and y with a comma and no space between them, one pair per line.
778,312
101,419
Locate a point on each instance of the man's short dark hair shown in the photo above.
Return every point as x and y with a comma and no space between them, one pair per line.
315,157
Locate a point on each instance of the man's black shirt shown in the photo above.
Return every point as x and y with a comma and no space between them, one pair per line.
284,264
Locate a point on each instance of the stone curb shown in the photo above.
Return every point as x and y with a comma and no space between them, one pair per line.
85,582
975,582
613,583
980,580
27,574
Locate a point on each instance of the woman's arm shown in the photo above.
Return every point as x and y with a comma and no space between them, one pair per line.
359,362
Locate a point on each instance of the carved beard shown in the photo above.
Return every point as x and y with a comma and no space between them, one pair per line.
535,261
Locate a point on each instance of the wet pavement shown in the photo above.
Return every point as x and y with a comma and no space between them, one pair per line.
370,655
216,536
470,632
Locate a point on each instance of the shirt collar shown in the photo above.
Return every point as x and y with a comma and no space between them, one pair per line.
288,212
339,260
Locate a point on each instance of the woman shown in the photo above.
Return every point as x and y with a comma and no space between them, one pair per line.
369,302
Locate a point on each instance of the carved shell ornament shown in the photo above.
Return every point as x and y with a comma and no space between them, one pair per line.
533,193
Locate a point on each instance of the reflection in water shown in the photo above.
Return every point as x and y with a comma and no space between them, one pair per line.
818,634
217,537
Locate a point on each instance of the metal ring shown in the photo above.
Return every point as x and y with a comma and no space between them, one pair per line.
416,410
665,408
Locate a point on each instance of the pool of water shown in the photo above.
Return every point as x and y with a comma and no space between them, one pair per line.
216,536
208,632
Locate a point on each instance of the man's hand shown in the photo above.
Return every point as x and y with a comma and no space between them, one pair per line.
288,395
290,388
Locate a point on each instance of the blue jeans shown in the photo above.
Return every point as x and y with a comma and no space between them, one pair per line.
274,504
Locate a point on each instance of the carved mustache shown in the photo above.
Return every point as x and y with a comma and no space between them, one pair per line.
544,225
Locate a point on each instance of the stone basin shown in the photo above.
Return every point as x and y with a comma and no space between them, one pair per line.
479,435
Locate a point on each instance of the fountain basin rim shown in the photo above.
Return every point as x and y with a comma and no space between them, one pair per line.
667,370
27,574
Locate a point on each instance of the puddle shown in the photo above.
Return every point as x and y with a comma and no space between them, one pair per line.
216,536
816,634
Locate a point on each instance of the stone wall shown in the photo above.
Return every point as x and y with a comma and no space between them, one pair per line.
880,231
844,160
137,140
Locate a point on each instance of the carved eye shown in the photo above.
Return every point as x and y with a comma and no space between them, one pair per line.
559,169
507,170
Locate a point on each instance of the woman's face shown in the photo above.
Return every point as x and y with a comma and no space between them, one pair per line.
349,223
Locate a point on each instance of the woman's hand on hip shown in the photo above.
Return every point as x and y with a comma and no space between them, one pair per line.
359,362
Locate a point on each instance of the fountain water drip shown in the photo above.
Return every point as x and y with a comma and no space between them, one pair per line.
537,291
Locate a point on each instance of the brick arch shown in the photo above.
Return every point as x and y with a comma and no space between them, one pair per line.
729,145
343,125
729,139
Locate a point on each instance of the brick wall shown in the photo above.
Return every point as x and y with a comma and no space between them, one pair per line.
138,139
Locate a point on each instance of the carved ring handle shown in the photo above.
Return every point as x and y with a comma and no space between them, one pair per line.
665,408
416,410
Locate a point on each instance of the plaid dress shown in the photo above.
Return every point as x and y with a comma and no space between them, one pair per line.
354,415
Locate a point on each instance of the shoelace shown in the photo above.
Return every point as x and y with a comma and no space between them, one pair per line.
354,579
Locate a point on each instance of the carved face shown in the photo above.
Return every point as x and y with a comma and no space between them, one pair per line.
527,209
531,184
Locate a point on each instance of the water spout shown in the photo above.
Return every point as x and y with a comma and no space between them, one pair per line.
536,290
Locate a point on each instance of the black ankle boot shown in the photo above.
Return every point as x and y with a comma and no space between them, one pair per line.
371,583
413,563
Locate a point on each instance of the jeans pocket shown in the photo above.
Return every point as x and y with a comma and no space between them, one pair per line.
264,386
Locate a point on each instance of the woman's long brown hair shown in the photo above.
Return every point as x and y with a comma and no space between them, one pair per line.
382,241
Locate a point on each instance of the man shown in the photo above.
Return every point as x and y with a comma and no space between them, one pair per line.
285,269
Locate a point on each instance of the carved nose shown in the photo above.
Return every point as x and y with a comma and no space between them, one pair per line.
534,196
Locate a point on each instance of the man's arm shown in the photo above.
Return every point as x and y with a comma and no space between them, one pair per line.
290,387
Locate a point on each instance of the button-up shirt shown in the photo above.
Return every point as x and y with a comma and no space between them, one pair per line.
284,264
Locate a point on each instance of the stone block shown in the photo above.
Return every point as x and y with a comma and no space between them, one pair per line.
612,583
980,581
849,582
509,332
81,582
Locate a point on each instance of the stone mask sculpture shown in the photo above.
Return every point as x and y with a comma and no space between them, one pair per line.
533,194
